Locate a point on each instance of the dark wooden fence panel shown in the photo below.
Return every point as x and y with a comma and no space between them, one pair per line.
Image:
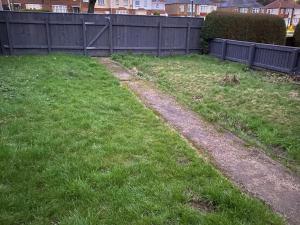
274,57
97,35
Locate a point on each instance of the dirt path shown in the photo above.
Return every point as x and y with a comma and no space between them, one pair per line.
249,168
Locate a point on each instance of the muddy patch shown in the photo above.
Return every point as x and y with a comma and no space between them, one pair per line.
202,205
183,160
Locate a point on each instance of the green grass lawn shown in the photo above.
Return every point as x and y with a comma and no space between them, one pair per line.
261,107
76,148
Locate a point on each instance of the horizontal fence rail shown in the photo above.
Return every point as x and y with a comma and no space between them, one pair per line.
97,35
273,57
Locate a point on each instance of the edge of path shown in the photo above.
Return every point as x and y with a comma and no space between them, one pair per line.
248,167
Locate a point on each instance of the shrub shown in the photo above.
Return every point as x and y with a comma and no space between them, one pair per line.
297,36
244,27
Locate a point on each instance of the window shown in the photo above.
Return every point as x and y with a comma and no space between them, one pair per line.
181,8
100,2
243,10
137,3
190,8
270,11
289,11
59,8
203,8
33,6
75,9
145,3
125,2
117,2
85,0
255,10
16,6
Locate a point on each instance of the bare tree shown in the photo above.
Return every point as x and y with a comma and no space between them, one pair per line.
91,6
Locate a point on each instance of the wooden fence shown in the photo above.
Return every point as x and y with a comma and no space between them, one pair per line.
97,35
274,57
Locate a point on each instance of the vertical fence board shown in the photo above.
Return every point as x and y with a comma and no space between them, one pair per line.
83,36
159,39
251,55
273,57
224,48
36,33
188,31
293,60
111,48
48,35
9,35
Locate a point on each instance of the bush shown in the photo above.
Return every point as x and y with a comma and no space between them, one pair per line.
297,36
244,27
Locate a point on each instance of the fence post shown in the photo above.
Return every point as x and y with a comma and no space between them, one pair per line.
251,55
48,35
294,59
188,30
159,39
224,48
2,47
9,36
111,49
84,36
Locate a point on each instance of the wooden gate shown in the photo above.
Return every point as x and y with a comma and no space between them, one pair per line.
91,44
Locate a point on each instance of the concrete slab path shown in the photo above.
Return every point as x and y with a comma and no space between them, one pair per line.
247,167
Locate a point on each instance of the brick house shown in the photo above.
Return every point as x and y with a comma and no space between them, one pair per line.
289,10
43,5
241,6
184,7
135,7
158,6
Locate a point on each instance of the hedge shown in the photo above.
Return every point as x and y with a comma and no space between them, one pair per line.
260,28
297,36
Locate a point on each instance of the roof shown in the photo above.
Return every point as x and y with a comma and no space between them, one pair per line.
240,4
196,2
282,4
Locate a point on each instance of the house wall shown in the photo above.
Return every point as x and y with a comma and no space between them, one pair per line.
272,11
228,9
145,7
286,14
176,9
110,6
158,6
186,9
203,10
241,9
46,5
